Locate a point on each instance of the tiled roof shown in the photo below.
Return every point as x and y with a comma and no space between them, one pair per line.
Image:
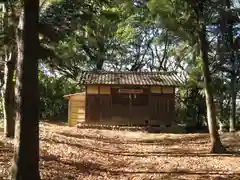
131,78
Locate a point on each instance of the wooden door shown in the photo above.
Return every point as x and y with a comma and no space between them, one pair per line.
92,108
162,109
120,108
105,107
139,108
154,107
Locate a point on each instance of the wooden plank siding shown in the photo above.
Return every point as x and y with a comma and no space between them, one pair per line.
162,109
92,108
105,107
104,104
76,109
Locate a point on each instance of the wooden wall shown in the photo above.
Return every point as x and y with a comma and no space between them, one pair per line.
98,104
162,90
104,89
162,100
101,109
92,89
76,109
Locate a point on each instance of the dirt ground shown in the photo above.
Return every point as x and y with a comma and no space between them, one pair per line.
69,154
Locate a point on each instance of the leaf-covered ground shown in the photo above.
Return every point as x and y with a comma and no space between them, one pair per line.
68,153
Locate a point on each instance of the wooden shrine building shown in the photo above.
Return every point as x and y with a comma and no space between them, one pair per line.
130,97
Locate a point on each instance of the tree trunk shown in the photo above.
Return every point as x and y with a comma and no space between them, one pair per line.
8,85
226,28
216,145
232,120
221,114
26,151
220,59
99,65
230,49
100,57
8,96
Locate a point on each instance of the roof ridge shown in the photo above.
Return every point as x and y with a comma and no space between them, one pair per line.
169,78
130,72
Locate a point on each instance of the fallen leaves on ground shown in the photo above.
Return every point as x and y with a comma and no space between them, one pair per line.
68,153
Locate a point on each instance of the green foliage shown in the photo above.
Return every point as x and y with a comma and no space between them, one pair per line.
123,35
132,35
86,31
175,16
52,90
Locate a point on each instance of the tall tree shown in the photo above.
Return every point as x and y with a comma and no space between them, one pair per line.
26,155
189,19
86,34
228,19
201,11
10,19
227,61
10,61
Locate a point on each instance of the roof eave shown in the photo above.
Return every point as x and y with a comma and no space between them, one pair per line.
106,84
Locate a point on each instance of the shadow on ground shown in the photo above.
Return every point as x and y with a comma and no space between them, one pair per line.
1,144
54,122
164,141
172,152
149,129
95,169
